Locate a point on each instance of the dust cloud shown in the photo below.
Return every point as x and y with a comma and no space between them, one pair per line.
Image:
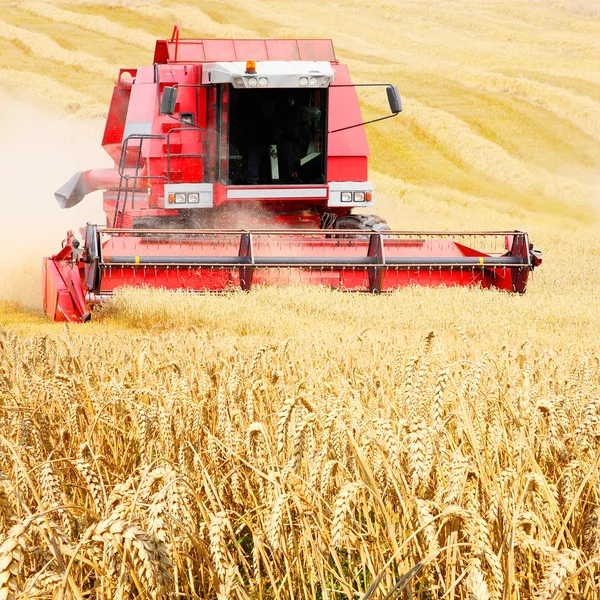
39,151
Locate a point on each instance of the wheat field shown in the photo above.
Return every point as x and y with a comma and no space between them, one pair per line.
304,443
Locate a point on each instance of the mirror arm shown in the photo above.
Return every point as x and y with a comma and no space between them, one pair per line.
388,87
364,123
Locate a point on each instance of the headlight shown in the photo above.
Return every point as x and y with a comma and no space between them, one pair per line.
303,81
359,196
314,81
346,197
193,198
179,198
238,81
252,82
263,82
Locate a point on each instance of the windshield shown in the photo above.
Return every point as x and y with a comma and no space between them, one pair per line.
276,136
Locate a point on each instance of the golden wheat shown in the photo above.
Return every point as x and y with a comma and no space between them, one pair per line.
303,443
333,486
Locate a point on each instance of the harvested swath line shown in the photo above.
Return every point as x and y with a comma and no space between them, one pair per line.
582,111
479,153
419,63
194,19
96,23
417,55
543,36
444,200
44,46
248,19
452,41
210,352
47,89
538,12
587,8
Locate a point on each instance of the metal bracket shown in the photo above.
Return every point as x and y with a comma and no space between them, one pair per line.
92,259
375,252
246,251
273,157
520,247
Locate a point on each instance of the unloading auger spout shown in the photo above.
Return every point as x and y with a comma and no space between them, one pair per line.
86,182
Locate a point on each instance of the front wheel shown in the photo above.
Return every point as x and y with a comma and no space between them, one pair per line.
355,222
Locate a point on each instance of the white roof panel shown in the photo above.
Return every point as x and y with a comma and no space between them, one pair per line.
271,74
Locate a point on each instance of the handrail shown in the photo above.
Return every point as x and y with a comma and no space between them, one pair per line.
204,143
175,38
126,177
324,232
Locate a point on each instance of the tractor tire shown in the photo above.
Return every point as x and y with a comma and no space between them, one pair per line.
355,222
361,222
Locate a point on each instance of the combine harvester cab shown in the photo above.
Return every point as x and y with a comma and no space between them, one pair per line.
240,163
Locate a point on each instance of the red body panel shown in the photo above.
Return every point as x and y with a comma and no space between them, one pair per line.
347,168
117,113
210,50
348,149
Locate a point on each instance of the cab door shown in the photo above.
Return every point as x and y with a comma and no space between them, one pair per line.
217,134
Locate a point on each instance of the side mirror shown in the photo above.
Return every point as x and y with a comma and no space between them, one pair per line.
394,99
169,98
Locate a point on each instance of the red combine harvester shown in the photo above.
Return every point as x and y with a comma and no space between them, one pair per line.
238,162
